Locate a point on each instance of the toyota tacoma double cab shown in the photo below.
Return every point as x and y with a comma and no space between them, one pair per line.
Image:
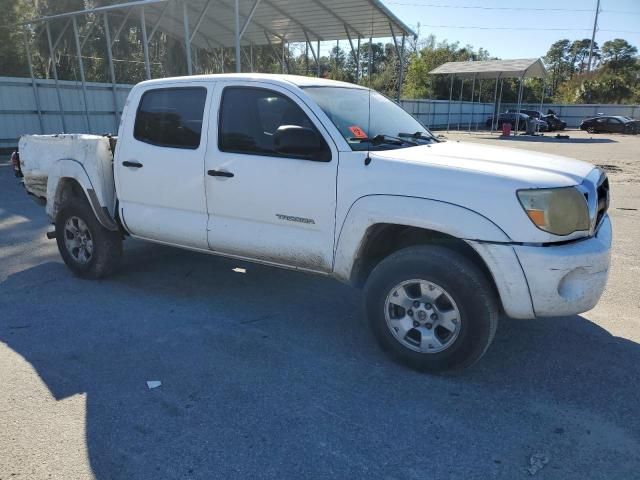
337,180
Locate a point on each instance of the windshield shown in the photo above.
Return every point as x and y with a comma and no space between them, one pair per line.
391,126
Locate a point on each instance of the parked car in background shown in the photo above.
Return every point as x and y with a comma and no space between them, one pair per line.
552,120
611,124
521,119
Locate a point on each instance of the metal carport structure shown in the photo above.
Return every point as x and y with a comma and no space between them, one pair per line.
492,69
218,24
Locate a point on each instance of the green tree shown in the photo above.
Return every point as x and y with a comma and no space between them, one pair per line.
619,55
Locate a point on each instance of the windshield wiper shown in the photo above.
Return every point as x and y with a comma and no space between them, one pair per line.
382,138
418,136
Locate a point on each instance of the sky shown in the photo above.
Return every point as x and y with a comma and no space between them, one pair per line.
525,20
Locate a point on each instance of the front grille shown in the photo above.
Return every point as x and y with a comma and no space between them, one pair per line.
603,198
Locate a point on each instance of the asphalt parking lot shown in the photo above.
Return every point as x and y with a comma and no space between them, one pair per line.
274,374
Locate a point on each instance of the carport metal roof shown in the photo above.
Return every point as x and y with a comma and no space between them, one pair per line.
213,24
521,68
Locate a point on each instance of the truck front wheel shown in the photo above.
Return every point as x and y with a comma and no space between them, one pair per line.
431,308
87,248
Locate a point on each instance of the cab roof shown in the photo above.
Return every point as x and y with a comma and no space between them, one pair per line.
297,80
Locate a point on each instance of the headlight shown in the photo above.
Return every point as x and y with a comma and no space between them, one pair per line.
560,211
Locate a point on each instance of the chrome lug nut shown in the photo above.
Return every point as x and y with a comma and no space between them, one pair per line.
434,317
410,312
416,324
428,325
427,306
416,303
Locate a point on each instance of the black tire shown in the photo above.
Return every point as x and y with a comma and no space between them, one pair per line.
592,130
107,245
461,279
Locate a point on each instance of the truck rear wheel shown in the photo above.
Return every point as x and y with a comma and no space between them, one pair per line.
87,248
431,308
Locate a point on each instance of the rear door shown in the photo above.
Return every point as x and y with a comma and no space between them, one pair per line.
160,163
262,205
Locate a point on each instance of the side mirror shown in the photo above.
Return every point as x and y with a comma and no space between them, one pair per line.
300,141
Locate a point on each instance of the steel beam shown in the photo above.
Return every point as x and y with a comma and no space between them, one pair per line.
34,86
336,16
199,21
62,32
55,76
112,72
187,42
460,109
236,14
449,105
96,10
82,78
122,25
249,17
293,19
158,22
473,102
88,34
273,49
145,44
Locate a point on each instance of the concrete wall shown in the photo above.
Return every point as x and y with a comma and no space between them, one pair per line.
19,112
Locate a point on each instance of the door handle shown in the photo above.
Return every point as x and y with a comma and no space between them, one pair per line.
219,173
128,163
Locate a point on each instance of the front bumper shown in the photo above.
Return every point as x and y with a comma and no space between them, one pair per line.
570,278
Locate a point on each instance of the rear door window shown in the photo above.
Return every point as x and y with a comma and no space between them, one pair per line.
171,117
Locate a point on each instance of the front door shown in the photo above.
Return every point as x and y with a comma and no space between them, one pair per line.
265,205
159,164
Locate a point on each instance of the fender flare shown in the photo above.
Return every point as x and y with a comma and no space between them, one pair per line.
443,217
72,169
436,215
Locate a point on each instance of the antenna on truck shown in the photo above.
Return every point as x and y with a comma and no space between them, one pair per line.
367,159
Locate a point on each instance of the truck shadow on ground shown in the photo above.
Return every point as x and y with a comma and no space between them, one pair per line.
274,374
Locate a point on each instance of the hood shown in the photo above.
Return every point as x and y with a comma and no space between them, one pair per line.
526,168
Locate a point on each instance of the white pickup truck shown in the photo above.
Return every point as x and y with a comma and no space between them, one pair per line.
334,179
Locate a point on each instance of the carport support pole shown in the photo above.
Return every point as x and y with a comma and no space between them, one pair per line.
81,66
449,105
544,85
358,61
499,101
494,117
187,37
55,77
460,109
34,86
145,45
318,58
519,104
479,101
473,102
236,14
112,72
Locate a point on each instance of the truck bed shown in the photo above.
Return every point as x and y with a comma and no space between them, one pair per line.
39,152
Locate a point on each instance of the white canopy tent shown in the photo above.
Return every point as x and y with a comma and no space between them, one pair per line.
492,69
218,24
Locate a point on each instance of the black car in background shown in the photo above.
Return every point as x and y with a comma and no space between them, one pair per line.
524,120
611,124
553,122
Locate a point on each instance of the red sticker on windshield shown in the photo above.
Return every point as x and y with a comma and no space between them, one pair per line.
357,132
